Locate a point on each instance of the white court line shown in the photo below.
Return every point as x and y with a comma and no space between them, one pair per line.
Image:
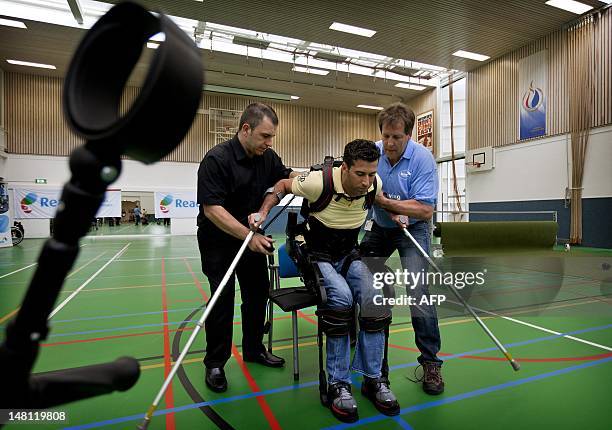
18,270
128,236
537,327
75,292
158,258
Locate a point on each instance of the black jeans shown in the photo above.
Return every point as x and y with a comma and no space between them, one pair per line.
252,275
382,242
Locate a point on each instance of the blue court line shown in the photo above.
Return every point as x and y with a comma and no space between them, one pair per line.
510,345
106,330
472,394
308,384
102,317
403,424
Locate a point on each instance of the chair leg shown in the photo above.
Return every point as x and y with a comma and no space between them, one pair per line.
296,357
274,284
322,375
270,324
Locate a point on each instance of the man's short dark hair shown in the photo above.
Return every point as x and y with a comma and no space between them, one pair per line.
360,149
254,114
397,112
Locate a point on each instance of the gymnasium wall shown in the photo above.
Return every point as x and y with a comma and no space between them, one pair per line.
533,176
493,89
35,123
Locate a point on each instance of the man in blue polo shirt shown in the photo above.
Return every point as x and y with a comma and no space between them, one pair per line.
410,187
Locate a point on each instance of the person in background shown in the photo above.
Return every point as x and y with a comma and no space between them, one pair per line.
137,213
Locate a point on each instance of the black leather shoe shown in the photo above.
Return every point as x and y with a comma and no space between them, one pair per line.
266,358
215,379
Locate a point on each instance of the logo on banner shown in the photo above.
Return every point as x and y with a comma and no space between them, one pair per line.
532,98
165,202
27,201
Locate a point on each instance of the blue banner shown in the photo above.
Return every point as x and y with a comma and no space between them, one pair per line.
533,81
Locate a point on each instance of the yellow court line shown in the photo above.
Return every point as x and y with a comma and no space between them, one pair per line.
199,360
565,305
9,315
85,265
14,311
130,287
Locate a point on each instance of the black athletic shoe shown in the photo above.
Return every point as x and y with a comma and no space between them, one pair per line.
341,402
378,392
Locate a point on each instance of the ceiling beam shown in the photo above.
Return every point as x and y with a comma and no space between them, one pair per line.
77,11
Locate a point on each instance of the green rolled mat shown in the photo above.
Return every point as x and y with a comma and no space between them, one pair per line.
473,238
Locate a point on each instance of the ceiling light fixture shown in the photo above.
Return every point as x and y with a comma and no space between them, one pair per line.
410,86
370,107
471,55
345,28
247,92
570,6
29,64
310,70
12,23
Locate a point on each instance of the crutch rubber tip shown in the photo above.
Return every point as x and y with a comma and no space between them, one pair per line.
515,366
144,425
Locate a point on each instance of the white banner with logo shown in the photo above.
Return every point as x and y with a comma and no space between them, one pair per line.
176,204
5,220
38,203
111,205
533,87
41,203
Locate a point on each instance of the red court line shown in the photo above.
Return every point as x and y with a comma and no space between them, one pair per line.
170,424
254,387
144,333
526,360
306,317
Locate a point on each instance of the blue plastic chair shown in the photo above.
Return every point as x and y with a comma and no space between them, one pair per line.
290,299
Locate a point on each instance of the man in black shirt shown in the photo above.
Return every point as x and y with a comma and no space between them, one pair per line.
232,181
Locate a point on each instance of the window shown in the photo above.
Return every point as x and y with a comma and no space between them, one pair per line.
459,116
447,200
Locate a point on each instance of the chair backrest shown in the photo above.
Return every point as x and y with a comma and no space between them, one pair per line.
286,266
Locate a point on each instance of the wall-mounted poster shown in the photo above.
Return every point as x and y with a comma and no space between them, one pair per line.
424,123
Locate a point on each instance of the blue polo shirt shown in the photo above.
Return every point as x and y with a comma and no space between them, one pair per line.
413,177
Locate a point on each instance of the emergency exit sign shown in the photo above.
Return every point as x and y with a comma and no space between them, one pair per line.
40,181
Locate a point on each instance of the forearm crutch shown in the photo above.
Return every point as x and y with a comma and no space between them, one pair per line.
489,333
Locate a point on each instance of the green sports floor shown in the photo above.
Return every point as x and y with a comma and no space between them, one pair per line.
143,294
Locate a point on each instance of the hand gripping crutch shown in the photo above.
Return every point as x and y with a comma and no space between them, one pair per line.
199,325
489,333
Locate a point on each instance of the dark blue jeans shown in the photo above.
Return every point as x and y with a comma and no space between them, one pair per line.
382,242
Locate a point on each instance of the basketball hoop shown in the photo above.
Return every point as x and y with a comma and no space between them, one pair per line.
474,164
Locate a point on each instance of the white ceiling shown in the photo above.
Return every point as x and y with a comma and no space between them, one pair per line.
427,31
